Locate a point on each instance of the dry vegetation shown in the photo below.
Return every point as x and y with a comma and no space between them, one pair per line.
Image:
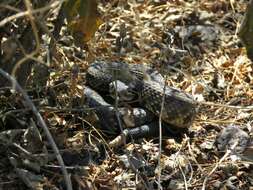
194,43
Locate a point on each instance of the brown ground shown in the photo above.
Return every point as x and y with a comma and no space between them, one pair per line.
195,44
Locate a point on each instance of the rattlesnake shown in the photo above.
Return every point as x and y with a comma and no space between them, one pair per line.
179,107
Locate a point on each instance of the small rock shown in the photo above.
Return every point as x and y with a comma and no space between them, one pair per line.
229,136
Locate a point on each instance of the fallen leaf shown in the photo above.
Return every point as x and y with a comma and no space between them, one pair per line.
83,18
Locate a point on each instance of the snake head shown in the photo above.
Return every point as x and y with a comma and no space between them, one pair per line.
119,70
123,92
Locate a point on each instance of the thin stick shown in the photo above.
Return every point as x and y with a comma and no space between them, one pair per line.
217,165
247,108
183,174
160,136
192,154
116,106
25,13
36,36
42,123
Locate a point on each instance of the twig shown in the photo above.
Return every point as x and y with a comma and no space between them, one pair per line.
37,39
183,174
236,68
10,8
180,168
59,110
217,165
192,154
226,106
160,136
25,13
42,123
97,132
116,106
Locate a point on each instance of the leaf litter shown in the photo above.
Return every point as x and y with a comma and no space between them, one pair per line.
195,44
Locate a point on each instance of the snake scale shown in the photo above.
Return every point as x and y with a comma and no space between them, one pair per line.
148,84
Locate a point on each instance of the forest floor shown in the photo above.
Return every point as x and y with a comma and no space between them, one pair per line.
193,43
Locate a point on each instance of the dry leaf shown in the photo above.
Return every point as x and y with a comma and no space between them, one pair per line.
83,18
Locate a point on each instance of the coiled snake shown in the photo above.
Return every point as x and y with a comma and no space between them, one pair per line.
179,107
144,85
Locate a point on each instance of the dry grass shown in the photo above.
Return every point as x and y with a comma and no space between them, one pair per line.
193,43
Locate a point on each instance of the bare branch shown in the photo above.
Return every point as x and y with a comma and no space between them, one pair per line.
26,13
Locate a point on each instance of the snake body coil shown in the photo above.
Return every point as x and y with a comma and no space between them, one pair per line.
179,107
